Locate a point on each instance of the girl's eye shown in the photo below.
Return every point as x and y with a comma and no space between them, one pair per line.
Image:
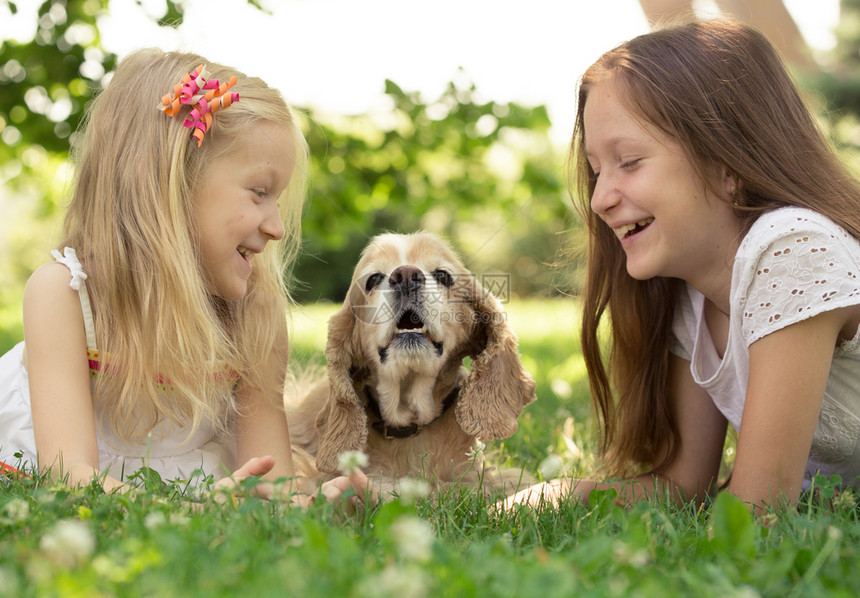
373,281
630,163
444,278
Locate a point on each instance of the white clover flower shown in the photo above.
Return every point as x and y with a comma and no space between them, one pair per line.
476,451
561,388
44,496
636,558
200,493
179,519
17,509
410,490
414,538
551,466
351,461
846,499
154,520
769,520
69,543
573,451
105,567
402,582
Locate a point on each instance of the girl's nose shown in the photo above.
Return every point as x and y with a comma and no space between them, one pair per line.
606,195
272,225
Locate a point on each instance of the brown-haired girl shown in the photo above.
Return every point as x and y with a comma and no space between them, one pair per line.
723,255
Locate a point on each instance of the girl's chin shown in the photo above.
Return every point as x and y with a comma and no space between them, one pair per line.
640,277
641,271
233,292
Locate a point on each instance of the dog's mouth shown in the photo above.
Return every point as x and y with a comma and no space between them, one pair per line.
410,335
411,321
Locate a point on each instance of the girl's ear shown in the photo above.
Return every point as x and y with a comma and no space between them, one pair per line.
731,185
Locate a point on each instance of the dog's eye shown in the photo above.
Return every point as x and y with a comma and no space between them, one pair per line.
373,281
444,278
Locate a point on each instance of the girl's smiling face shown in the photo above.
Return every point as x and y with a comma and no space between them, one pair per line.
237,206
647,191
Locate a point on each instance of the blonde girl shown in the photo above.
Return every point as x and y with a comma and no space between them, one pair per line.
723,256
158,336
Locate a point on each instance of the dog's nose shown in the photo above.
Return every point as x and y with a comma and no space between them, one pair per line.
406,279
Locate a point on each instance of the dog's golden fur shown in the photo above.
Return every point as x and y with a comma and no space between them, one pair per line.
412,315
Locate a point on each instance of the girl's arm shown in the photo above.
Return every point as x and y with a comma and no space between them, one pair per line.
789,369
261,426
690,476
261,431
58,370
264,449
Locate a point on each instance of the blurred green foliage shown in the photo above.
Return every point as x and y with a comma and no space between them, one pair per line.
481,173
837,85
47,81
44,85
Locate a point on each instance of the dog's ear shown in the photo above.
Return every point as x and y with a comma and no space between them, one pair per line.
498,387
342,423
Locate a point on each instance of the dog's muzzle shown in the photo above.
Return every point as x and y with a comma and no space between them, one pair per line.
410,326
406,283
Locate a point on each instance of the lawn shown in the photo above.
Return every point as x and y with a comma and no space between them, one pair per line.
56,541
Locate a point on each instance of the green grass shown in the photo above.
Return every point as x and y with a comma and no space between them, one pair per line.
56,541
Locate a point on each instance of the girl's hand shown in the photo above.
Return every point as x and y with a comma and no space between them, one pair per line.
544,492
552,493
255,467
331,490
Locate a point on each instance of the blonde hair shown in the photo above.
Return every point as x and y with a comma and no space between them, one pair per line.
131,220
720,89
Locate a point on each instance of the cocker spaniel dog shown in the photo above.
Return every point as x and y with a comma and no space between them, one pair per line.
396,387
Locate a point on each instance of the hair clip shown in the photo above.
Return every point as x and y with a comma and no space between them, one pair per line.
204,94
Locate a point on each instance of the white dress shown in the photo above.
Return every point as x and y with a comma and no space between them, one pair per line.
793,264
168,450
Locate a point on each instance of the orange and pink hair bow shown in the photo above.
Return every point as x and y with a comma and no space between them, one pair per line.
207,96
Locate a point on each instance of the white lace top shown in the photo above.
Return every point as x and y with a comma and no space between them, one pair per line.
792,265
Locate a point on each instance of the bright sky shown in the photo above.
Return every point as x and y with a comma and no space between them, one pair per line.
334,55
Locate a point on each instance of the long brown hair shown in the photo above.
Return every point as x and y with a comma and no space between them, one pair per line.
131,220
722,91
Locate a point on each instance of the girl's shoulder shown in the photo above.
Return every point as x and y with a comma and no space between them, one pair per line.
55,284
796,225
51,278
793,265
50,304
